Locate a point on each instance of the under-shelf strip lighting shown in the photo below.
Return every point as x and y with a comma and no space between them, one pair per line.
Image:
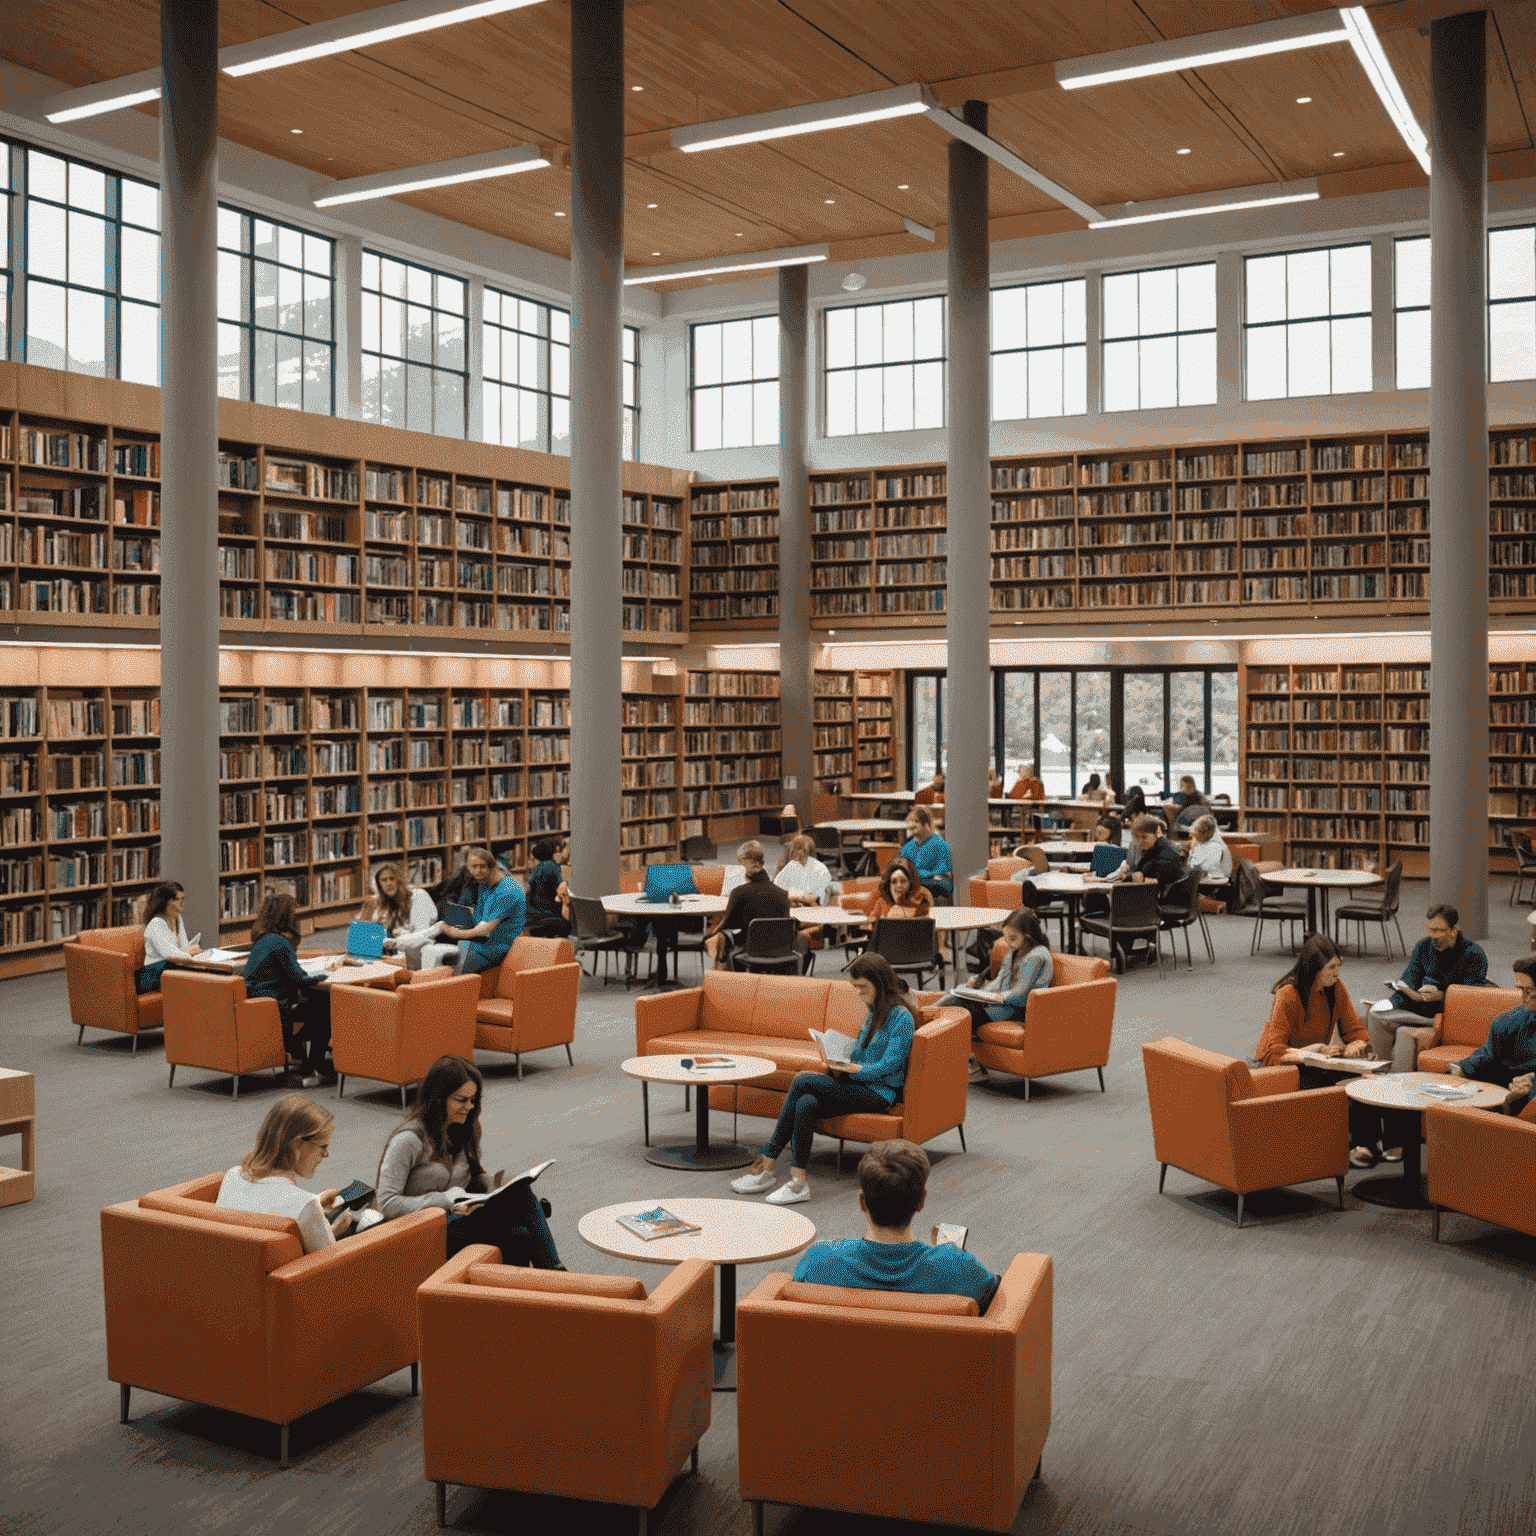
1264,37
957,128
441,173
813,117
1383,78
363,29
1229,201
748,261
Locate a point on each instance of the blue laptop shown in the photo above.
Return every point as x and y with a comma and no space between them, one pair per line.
365,941
662,880
1106,859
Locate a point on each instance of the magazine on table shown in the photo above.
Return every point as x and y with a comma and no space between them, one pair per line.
708,1063
523,1178
657,1222
1452,1092
834,1046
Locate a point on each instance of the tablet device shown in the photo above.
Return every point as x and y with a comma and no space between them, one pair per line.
1106,859
365,941
457,915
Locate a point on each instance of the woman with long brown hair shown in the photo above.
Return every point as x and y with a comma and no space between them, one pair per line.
432,1159
868,1083
272,970
901,892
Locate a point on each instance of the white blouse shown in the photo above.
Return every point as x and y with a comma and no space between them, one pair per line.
277,1196
161,944
812,878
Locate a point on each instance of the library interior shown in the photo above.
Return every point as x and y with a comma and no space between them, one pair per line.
839,560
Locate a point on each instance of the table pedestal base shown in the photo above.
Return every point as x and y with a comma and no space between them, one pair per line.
1397,1192
689,1155
725,1366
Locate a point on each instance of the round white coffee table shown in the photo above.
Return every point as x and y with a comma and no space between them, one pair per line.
697,1155
1402,1103
733,1232
665,919
1317,883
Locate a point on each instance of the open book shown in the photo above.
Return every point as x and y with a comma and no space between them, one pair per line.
501,1189
1448,1091
833,1046
950,1232
1360,1064
977,995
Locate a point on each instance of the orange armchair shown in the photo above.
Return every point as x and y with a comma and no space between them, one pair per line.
98,971
225,1308
394,1036
1463,1025
534,1005
1482,1164
976,1463
579,1386
997,889
211,1023
1239,1127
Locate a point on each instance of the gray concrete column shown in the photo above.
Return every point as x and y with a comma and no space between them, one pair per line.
1383,315
348,379
1093,361
1458,482
798,765
969,481
189,458
597,464
1229,328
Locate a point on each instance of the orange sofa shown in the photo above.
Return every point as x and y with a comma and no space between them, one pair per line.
770,1016
226,1309
210,1023
98,972
532,1004
980,1387
576,1386
1463,1025
1482,1164
1239,1127
393,1035
1067,1026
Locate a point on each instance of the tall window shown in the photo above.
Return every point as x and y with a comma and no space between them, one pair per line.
631,392
1159,337
1512,303
1410,304
276,300
414,368
93,270
734,388
885,367
1039,351
1307,322
527,386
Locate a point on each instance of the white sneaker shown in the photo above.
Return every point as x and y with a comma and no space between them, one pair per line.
755,1183
312,1081
790,1193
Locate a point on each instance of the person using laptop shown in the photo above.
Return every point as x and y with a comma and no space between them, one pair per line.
500,912
1444,957
272,970
893,1188
1507,1057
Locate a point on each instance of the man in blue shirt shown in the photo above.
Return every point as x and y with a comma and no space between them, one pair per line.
893,1188
500,910
1508,1056
930,853
1444,957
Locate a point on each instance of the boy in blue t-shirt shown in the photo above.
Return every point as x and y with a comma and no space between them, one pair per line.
893,1187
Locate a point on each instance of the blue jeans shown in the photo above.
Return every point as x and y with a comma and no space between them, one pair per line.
817,1096
473,959
513,1222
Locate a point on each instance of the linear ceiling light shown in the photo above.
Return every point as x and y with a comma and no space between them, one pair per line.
1228,201
748,261
922,231
1379,71
362,30
442,173
813,117
957,128
1279,36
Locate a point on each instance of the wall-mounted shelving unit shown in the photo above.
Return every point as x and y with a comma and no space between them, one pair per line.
731,751
733,579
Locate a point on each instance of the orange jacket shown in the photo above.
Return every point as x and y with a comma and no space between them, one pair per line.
916,905
1027,789
1288,1027
928,795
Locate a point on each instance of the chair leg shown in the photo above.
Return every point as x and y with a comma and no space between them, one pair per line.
1239,1210
569,1059
645,1108
415,1378
517,1056
961,1129
403,1104
341,1086
757,1517
1162,1173
687,1098
1038,1464
282,1445
693,1460
1338,1179
1026,1090
1100,1071
236,1081
645,1521
839,1155
1436,1230
135,1049
81,1036
442,1503
171,1081
123,1389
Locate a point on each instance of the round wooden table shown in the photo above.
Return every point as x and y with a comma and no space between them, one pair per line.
699,1155
1061,852
734,1232
665,919
1317,883
1402,1102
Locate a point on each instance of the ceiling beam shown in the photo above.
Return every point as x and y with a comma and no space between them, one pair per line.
1006,158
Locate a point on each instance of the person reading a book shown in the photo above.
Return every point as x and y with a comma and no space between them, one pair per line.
432,1159
546,919
1444,957
1507,1057
500,912
1026,965
930,855
869,1082
1028,785
931,794
893,1188
165,935
272,970
1310,1004
756,896
294,1139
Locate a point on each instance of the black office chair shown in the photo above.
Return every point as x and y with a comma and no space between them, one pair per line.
1267,904
1519,844
698,850
1180,908
1382,910
910,946
594,933
1133,914
829,849
770,946
775,824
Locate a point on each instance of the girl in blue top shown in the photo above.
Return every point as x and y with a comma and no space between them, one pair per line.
870,1083
930,853
1027,965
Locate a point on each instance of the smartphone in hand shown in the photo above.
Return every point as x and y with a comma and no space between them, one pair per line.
950,1232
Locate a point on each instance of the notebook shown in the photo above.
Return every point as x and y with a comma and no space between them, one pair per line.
1106,859
661,880
365,941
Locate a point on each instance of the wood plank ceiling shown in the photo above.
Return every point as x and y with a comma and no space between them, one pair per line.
485,84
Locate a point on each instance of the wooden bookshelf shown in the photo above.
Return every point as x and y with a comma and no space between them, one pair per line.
731,752
834,732
325,526
874,706
733,579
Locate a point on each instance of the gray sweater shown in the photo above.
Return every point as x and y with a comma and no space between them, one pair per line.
410,1180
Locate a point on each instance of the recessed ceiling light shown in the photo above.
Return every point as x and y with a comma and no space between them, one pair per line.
902,186
295,130
650,205
637,87
829,200
1183,151
1338,154
738,234
1301,101
655,253
558,214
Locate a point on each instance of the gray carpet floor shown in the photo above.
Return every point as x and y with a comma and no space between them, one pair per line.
1317,1372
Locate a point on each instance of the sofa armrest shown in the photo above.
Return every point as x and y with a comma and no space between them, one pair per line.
1439,1035
667,1013
934,1094
1268,1081
1288,1138
1462,1144
544,1005
100,986
1069,1027
431,973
